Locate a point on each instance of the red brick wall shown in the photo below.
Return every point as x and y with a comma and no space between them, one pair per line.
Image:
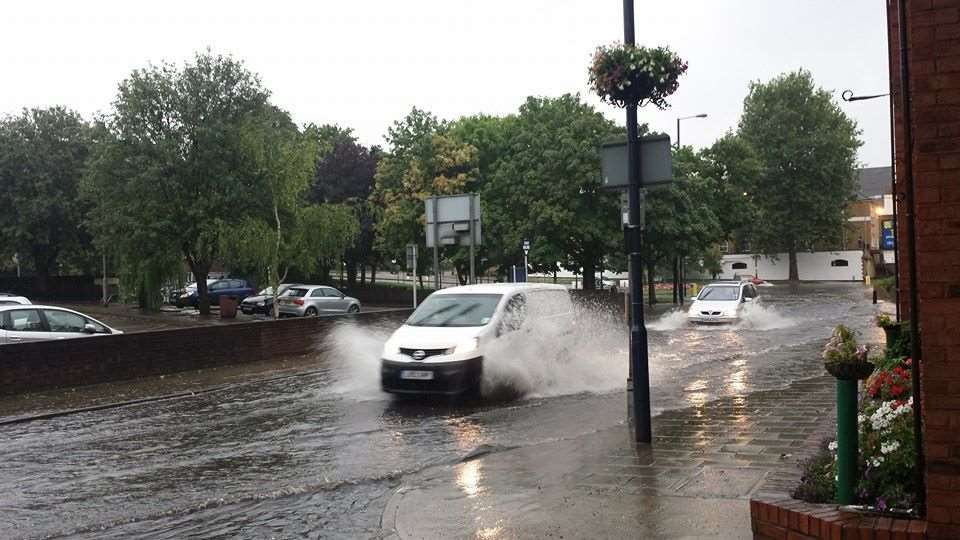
934,40
27,367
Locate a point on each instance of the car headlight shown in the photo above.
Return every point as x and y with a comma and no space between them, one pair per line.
469,345
261,304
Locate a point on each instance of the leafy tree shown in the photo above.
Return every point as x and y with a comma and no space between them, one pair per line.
422,160
808,150
344,173
280,160
173,170
729,168
490,135
547,189
42,156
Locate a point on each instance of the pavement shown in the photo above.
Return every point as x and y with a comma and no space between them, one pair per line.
694,481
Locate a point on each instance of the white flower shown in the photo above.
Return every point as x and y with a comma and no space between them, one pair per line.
832,446
886,448
877,461
861,418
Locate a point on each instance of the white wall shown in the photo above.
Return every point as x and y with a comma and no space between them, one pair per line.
811,266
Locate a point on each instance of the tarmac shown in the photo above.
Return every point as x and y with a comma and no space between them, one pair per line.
694,481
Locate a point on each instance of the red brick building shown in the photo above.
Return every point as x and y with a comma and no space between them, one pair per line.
933,49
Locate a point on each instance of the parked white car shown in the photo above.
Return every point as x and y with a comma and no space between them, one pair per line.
314,300
28,323
7,299
722,302
440,348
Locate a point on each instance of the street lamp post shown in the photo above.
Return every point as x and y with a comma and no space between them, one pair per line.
681,283
701,115
638,332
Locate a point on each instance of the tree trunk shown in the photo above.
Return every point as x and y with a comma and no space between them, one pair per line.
351,274
363,275
651,286
554,276
794,272
43,259
589,274
373,274
200,272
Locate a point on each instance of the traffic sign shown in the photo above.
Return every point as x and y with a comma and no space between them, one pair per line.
656,162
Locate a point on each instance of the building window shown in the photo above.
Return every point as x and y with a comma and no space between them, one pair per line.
739,266
839,262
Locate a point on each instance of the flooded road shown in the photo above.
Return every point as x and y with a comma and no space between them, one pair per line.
316,455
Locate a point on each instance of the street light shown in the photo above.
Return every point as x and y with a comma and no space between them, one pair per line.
678,295
701,115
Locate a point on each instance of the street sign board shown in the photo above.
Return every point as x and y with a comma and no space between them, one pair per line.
656,162
887,240
526,247
451,221
411,257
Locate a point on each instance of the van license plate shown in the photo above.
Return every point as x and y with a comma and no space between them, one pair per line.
416,375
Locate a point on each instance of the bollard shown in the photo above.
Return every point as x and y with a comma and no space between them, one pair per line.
874,296
846,440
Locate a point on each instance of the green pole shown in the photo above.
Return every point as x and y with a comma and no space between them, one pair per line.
846,440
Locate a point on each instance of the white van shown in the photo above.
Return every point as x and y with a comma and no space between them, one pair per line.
440,348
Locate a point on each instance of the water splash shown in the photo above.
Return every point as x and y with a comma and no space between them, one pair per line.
763,317
672,320
586,352
752,317
355,354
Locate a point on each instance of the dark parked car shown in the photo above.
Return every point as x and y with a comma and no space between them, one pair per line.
235,288
263,302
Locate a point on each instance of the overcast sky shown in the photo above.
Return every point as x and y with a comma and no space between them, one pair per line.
365,63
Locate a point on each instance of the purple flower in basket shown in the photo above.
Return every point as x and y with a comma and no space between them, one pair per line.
881,504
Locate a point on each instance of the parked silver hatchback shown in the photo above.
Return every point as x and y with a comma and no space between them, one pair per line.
27,323
314,300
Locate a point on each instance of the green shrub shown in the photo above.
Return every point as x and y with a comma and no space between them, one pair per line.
818,482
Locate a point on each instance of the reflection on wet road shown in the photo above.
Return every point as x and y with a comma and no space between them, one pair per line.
316,455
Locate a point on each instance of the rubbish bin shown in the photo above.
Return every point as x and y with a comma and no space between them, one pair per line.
228,307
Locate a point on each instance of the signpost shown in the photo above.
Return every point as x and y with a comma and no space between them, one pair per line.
526,252
453,220
412,266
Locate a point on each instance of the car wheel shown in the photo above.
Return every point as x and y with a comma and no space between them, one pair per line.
353,309
310,312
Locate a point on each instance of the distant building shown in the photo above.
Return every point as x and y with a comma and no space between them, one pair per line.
870,225
866,245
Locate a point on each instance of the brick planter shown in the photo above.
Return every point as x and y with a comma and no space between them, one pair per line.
783,518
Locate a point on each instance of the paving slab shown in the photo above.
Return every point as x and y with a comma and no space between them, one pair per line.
693,482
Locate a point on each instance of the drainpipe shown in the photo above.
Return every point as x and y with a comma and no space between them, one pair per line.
893,190
915,352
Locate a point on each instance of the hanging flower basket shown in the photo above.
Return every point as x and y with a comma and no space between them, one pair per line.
848,371
624,74
844,358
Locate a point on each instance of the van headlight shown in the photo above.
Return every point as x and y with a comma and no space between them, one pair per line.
469,345
391,347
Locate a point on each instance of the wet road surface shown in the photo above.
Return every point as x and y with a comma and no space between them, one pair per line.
316,455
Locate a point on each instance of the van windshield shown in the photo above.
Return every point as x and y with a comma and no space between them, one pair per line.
455,310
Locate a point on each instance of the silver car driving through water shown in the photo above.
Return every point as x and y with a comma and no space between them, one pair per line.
722,302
